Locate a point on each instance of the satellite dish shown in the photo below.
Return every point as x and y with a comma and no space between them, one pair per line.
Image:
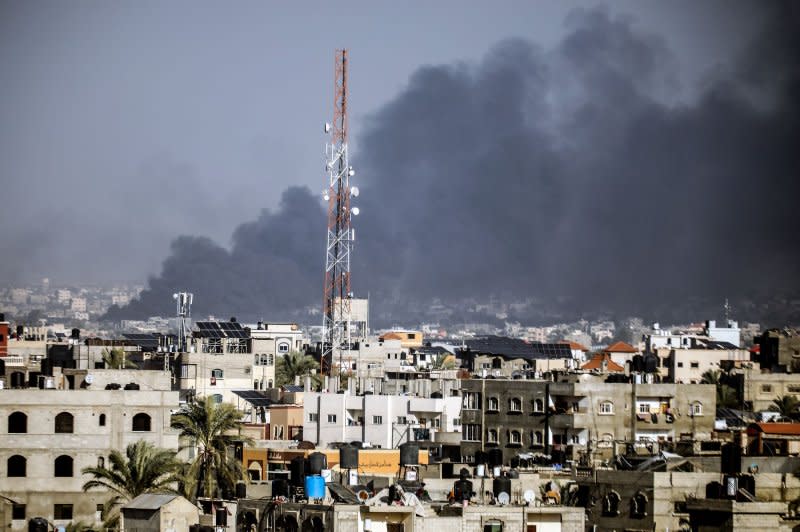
362,495
529,496
356,210
326,197
503,498
354,191
351,172
89,379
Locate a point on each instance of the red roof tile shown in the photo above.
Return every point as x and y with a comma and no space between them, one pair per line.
787,429
574,345
597,363
620,347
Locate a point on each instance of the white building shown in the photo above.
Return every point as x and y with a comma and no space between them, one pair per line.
383,421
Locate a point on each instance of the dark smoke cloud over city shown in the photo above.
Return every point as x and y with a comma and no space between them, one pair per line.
564,172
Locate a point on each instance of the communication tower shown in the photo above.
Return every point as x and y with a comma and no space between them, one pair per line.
183,302
340,237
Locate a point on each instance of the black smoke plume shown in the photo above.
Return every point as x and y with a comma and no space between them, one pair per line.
567,175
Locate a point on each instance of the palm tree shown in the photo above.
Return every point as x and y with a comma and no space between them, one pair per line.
293,365
786,405
115,359
144,469
711,376
444,361
727,395
212,430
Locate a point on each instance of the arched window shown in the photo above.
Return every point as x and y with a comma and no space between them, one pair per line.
697,408
639,505
283,347
538,438
606,408
65,423
102,420
493,404
269,383
17,466
538,405
495,525
141,422
255,384
217,373
217,398
515,437
611,504
63,466
491,436
515,404
17,423
497,363
606,440
101,462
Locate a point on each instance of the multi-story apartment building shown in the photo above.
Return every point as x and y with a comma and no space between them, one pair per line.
381,420
47,436
510,357
523,416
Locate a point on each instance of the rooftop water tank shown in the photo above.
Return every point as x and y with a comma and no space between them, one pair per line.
316,463
348,457
500,485
409,454
315,487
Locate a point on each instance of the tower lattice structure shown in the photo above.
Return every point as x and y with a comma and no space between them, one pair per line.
340,235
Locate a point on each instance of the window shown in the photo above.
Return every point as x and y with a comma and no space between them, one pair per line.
401,420
64,423
644,408
331,418
493,526
63,466
697,409
283,347
101,462
264,360
217,398
538,405
471,432
377,420
410,336
313,417
457,421
62,511
514,437
611,504
493,404
17,466
538,438
680,364
217,373
639,505
766,388
491,436
515,404
17,423
694,365
472,401
793,388
102,420
18,511
141,422
606,407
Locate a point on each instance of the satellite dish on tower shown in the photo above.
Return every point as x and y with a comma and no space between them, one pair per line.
354,191
503,498
356,210
529,496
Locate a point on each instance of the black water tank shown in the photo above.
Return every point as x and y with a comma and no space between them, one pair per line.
495,457
501,484
2,368
464,473
20,331
715,490
748,483
38,524
462,490
650,363
113,386
76,334
241,490
316,463
637,363
480,457
409,454
280,487
348,457
132,386
46,367
298,468
2,316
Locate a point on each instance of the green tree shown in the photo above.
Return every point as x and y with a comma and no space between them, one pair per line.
143,469
786,405
444,361
115,359
711,376
293,365
727,395
211,429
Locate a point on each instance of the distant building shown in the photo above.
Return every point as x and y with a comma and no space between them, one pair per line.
779,350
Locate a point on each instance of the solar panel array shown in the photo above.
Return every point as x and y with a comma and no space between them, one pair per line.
145,341
220,329
514,347
254,397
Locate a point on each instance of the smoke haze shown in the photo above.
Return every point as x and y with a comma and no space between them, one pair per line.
563,173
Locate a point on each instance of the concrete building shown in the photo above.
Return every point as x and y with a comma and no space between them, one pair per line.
158,512
380,420
521,416
779,350
686,364
47,436
761,389
510,357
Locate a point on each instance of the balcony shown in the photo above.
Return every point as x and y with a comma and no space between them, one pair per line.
579,420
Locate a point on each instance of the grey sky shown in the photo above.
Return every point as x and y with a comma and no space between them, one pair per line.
124,125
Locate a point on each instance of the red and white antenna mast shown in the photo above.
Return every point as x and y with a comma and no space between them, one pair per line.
336,321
